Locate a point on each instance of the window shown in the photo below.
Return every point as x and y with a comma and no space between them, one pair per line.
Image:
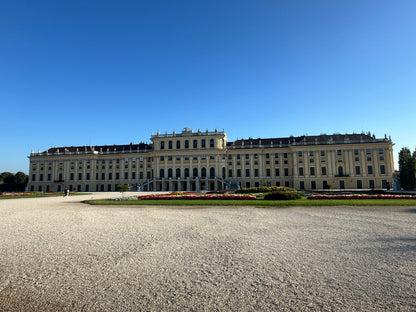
323,160
211,143
170,144
247,156
110,176
368,151
162,173
339,152
162,145
170,173
323,169
368,158
256,172
357,158
212,172
178,144
300,154
126,175
178,157
267,155
370,169
79,176
380,151
311,160
313,185
371,184
102,176
268,172
356,152
72,176
312,169
170,158
195,172
162,158
186,172
195,143
300,160
256,156
340,171
310,153
239,173
230,173
203,143
276,155
357,170
203,172
322,153
359,184
285,155
382,169
117,175
186,144
247,172
381,157
41,177
302,185
49,176
277,172
140,175
238,156
301,171
339,159
286,172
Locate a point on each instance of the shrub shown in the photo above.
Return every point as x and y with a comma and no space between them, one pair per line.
282,196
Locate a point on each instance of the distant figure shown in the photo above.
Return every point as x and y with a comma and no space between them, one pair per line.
66,192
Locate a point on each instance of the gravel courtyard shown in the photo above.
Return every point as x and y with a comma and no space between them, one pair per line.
57,254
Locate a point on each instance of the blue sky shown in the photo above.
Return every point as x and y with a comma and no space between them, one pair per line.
113,72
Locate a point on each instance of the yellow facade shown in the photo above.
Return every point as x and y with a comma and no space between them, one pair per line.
205,160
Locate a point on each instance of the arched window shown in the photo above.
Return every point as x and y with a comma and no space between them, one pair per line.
223,172
186,172
170,145
195,172
162,145
340,171
212,172
162,173
211,143
170,173
186,144
178,172
195,143
203,172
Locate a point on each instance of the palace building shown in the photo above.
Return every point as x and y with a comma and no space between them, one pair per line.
205,160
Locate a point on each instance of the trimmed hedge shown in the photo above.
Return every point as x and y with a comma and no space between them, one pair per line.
282,196
265,189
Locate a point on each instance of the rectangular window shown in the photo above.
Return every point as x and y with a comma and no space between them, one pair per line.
359,184
382,169
311,153
267,155
49,176
300,154
110,176
301,171
256,172
247,172
230,173
103,176
323,169
276,155
312,169
339,152
370,169
117,175
302,185
323,160
285,155
126,175
247,156
380,151
277,172
88,175
41,177
72,176
140,175
268,172
322,153
368,151
286,172
79,176
357,170
356,152
239,173
133,175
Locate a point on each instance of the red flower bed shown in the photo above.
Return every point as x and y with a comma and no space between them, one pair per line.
197,196
362,196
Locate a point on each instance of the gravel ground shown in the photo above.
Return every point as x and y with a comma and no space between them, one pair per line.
57,254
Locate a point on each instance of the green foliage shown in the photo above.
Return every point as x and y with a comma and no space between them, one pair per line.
407,169
282,196
265,189
14,182
122,188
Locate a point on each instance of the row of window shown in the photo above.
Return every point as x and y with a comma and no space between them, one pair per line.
341,170
359,184
195,144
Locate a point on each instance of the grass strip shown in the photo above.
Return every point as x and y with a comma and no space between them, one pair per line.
259,203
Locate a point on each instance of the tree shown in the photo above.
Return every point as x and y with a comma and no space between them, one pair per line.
407,169
122,188
7,177
21,180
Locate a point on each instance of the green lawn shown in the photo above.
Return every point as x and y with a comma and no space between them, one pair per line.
260,203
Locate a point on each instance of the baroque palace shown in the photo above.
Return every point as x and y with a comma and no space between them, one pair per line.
205,160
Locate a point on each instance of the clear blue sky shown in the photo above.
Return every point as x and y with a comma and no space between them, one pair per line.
113,72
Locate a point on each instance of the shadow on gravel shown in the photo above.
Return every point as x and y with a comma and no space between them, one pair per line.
410,210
